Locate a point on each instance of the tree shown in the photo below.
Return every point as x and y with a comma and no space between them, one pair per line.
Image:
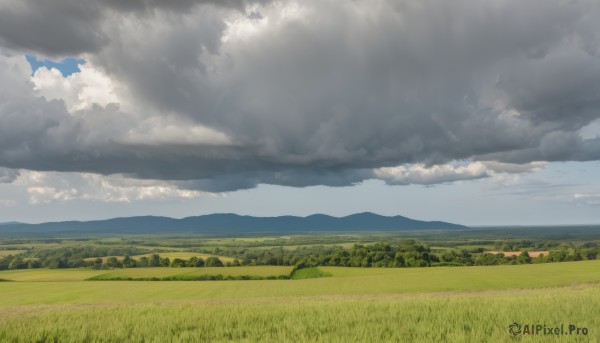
17,263
165,262
177,262
524,258
34,263
112,262
199,262
97,263
154,260
143,262
128,262
213,261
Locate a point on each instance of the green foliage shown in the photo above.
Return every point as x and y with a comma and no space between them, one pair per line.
384,250
213,261
178,262
309,273
154,261
184,277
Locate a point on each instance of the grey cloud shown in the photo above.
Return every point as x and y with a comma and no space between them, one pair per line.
178,6
71,27
65,27
8,175
289,177
321,92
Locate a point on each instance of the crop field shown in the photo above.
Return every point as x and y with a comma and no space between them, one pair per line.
323,304
459,317
461,304
10,252
34,245
82,274
472,278
58,275
346,281
261,271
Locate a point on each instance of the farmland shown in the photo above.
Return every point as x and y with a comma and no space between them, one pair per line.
10,252
254,296
417,304
464,317
83,274
347,281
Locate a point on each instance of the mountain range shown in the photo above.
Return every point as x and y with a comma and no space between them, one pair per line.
227,223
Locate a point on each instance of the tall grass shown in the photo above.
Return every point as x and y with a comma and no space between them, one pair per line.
466,317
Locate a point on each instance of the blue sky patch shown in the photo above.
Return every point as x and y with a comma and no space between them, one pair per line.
67,66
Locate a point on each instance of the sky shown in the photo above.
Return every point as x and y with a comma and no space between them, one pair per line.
478,113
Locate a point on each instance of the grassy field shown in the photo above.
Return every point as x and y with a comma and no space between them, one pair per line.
437,317
10,252
63,275
34,245
261,271
458,304
473,278
43,275
346,281
463,317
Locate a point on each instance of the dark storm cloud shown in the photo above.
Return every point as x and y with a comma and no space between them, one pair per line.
179,5
70,27
50,27
315,92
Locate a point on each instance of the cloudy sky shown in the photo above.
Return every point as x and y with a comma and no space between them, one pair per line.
476,112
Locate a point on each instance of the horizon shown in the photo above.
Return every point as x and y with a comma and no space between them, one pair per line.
303,216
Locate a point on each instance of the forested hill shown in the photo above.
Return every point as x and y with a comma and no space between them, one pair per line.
230,224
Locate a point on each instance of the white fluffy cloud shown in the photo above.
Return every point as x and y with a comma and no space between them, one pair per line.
429,175
79,91
45,187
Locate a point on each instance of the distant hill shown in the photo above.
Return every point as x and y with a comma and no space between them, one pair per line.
228,223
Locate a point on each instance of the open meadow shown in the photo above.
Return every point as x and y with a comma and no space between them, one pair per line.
463,304
82,274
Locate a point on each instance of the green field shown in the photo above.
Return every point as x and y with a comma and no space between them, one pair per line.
460,304
463,317
136,273
43,275
10,252
82,274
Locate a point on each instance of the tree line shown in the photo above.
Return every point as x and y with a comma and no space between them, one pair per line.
401,254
